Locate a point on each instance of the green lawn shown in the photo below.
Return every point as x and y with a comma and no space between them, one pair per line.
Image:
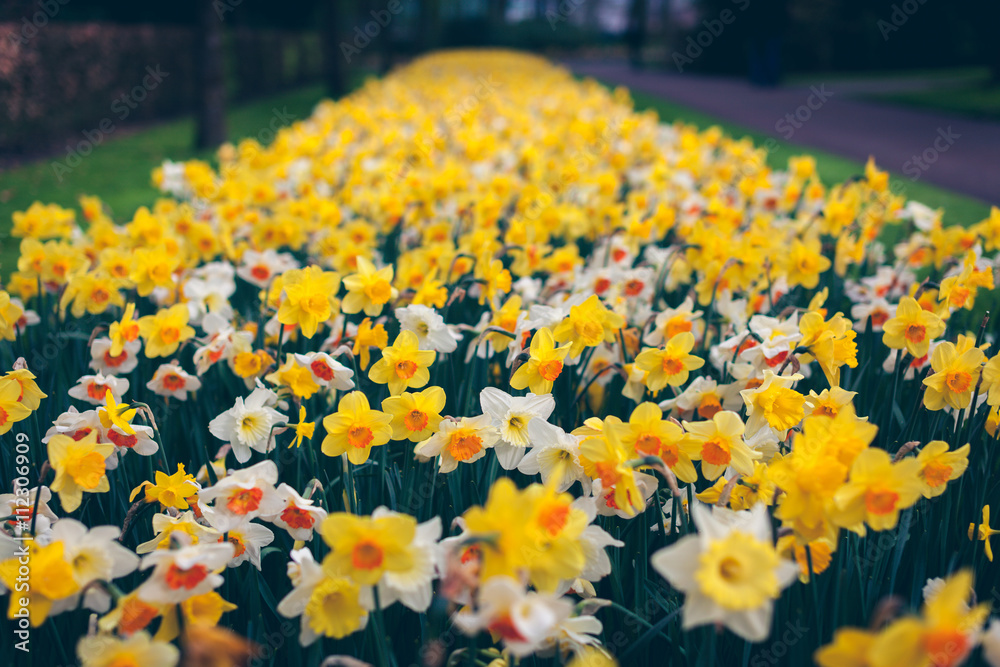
978,100
118,170
832,168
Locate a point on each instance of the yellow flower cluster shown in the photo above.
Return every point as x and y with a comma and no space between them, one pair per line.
542,333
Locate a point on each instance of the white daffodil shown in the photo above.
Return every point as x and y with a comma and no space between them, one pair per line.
21,506
523,620
556,456
170,380
247,425
297,515
326,371
331,606
102,361
185,526
179,574
244,494
93,388
730,571
414,587
94,555
260,267
247,538
465,440
224,342
521,421
429,326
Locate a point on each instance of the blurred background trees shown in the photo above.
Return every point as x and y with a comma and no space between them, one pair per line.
63,63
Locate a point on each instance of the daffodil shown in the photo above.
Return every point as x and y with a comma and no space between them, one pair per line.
647,433
12,410
403,364
671,365
955,376
79,466
369,289
463,441
303,430
364,548
415,416
330,603
165,331
830,342
938,466
589,324
298,378
117,414
984,532
355,428
544,365
774,403
729,572
309,298
718,443
174,490
944,634
877,491
367,337
49,579
912,329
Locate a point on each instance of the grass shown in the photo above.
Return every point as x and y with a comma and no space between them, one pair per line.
119,169
979,100
831,168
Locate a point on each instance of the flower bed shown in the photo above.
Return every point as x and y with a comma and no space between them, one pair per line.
479,364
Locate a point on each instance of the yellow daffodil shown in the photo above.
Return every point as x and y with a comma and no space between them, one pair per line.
116,414
912,329
12,410
165,331
365,547
955,376
79,466
671,365
176,490
938,466
877,491
983,532
415,417
589,324
303,430
309,298
544,364
355,428
403,364
368,289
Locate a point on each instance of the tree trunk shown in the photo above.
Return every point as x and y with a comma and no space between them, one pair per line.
429,22
333,64
636,33
211,80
